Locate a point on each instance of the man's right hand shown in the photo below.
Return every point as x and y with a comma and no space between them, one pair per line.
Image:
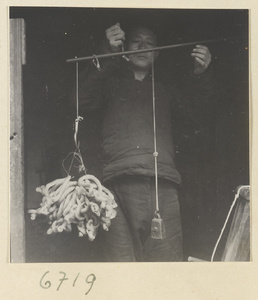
115,37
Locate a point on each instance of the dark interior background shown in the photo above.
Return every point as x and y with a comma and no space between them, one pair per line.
211,166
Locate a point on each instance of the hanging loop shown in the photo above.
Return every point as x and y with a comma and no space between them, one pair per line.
157,215
96,62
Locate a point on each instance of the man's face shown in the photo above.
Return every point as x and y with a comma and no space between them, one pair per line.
142,38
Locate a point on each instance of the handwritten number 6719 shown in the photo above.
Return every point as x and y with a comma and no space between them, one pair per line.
90,279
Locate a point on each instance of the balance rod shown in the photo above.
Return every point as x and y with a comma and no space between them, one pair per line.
73,60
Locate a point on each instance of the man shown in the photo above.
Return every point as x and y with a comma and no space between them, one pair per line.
123,90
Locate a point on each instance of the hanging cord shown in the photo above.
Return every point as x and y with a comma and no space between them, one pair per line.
77,153
78,118
158,230
225,224
155,153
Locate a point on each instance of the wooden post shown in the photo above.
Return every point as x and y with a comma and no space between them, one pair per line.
17,222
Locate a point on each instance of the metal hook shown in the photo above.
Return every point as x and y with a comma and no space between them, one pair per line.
76,131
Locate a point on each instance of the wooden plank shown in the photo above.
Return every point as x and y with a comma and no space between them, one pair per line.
17,222
238,242
194,259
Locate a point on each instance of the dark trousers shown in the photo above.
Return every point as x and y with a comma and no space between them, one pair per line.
128,238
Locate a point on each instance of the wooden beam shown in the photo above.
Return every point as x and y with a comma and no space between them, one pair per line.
17,222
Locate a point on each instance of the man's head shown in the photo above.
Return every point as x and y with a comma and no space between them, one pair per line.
141,38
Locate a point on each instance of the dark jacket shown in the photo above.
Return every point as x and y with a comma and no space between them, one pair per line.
128,143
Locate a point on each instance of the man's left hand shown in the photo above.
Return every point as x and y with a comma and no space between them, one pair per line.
202,59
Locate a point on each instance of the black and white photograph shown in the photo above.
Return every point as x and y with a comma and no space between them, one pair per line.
129,135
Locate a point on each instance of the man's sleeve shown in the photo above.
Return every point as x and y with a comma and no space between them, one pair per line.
93,85
194,105
203,98
194,101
